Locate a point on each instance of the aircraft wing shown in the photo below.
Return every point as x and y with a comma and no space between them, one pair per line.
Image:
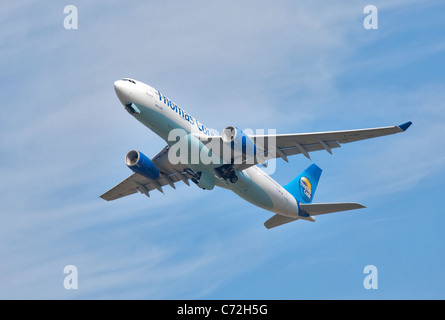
136,182
283,145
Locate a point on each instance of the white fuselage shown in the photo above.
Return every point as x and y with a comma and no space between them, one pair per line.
161,115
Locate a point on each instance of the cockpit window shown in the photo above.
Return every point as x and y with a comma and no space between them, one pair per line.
129,80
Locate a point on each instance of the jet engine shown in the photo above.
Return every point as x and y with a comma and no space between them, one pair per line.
239,142
141,164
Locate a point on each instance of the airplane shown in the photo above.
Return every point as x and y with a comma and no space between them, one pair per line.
234,157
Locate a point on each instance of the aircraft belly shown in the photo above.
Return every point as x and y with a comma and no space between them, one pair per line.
157,121
257,188
255,195
264,187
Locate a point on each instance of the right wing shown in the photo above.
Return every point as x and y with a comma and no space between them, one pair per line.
283,145
136,182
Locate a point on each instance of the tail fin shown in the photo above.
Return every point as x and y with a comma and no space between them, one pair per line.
303,187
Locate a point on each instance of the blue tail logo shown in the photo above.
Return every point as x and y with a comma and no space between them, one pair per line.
306,189
303,187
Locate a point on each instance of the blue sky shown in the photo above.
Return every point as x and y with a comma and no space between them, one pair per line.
294,66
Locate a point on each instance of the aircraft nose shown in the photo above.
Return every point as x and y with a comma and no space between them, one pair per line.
122,91
119,87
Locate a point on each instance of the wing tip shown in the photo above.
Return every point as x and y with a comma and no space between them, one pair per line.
405,126
104,197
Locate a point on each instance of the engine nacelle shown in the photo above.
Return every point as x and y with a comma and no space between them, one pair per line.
141,164
239,142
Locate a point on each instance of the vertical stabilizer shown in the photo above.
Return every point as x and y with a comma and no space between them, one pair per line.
303,187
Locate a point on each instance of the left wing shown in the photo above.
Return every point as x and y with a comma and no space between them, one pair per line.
284,145
136,182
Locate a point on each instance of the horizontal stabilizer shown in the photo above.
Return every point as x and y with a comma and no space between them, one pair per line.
277,220
309,210
315,209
